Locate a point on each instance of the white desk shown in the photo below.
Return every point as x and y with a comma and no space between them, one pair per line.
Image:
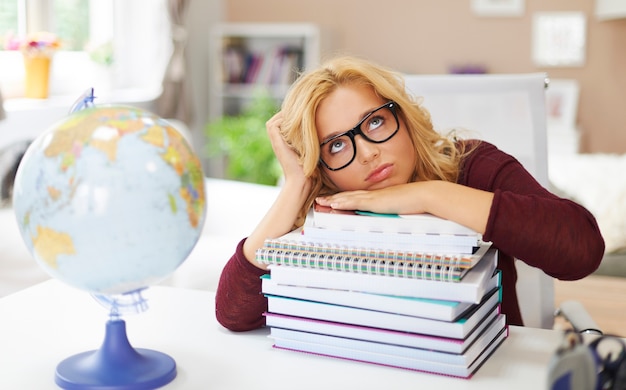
44,324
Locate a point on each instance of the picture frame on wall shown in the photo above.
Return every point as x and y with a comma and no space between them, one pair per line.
559,39
562,103
498,8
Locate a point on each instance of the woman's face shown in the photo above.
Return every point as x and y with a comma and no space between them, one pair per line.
375,165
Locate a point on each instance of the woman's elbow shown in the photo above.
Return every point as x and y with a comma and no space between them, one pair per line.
588,258
236,323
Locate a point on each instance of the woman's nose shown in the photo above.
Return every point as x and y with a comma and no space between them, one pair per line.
366,151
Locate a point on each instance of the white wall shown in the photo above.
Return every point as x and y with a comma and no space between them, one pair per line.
202,15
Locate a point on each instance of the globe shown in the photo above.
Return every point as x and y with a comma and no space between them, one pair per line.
110,200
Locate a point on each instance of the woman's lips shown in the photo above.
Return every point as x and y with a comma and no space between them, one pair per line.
379,174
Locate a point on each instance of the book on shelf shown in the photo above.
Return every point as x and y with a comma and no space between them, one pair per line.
294,249
275,66
234,66
459,365
386,336
288,61
435,309
471,288
354,220
356,316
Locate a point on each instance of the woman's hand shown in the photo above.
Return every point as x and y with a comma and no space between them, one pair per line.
399,199
282,216
286,156
468,206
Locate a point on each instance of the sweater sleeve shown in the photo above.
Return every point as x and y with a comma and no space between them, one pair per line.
530,223
239,304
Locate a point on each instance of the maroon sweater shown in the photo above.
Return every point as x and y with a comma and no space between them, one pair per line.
525,222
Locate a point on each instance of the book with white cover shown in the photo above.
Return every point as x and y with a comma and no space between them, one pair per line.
462,366
328,218
469,289
434,243
350,315
386,336
421,242
436,309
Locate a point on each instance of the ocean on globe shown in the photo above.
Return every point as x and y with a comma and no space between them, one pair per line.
110,200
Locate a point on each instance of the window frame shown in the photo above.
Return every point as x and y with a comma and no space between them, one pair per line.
142,47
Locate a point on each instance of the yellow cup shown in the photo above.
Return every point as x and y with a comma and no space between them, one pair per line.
37,75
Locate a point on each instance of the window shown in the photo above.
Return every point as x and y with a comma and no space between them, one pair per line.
8,18
72,23
69,20
135,31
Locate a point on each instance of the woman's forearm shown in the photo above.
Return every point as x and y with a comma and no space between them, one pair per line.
465,205
279,219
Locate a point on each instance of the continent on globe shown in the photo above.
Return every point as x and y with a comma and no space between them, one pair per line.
49,244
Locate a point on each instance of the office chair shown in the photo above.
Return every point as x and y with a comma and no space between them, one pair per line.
508,110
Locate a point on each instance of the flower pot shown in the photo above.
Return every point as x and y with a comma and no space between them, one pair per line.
37,75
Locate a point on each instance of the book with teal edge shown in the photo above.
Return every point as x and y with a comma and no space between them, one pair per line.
471,288
436,309
350,315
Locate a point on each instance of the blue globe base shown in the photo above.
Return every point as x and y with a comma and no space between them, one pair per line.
116,365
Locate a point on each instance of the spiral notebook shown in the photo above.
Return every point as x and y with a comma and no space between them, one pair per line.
293,250
471,288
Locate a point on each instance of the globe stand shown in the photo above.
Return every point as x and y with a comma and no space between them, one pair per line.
117,365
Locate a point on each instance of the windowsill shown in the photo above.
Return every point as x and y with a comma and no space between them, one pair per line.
27,118
71,73
127,96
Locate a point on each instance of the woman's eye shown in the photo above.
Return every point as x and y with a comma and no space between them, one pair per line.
375,123
336,146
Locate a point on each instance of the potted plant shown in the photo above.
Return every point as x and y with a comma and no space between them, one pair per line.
37,50
243,142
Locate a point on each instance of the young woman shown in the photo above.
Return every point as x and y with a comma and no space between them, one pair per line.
349,136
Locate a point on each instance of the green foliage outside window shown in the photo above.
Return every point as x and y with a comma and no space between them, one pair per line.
243,140
72,23
69,21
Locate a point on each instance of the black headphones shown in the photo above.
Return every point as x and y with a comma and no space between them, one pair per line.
600,365
610,354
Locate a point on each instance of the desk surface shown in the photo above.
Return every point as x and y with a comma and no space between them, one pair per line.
44,324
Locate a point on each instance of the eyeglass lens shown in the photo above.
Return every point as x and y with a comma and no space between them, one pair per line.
377,127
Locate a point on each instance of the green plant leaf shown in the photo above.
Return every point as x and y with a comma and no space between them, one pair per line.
243,140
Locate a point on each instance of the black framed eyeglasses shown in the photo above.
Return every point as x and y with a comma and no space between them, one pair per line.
338,151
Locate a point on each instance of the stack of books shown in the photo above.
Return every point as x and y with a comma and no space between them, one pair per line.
415,292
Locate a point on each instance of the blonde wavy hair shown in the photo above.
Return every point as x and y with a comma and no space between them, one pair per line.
438,155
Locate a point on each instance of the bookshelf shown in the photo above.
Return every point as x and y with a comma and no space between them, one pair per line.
246,57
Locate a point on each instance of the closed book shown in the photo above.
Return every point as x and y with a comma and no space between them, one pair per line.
422,242
436,309
493,328
325,217
350,315
469,289
458,365
385,336
294,249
